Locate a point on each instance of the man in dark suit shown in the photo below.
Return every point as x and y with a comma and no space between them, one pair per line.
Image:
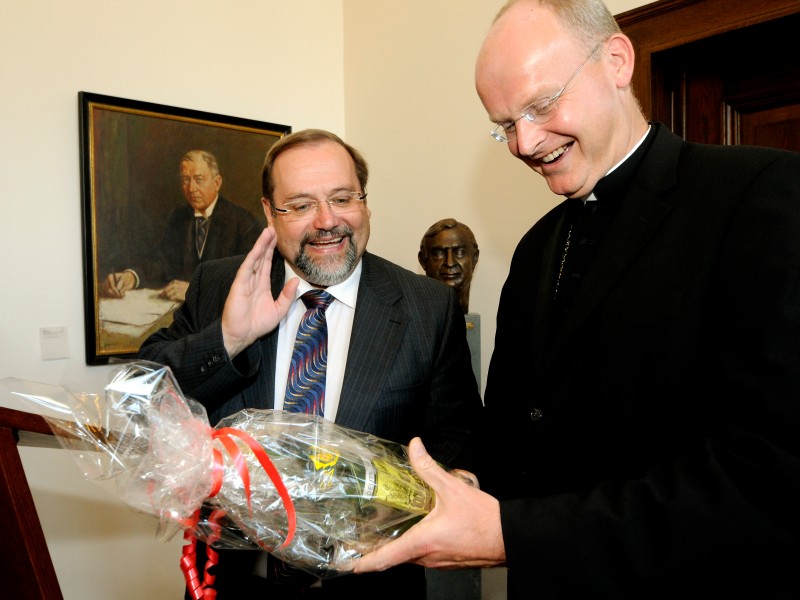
644,390
208,226
398,363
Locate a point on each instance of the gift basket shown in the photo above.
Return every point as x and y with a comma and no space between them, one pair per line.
312,493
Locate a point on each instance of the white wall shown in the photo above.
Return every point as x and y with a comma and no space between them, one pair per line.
411,106
268,60
395,79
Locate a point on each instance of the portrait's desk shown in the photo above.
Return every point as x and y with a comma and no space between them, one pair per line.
113,342
127,322
26,570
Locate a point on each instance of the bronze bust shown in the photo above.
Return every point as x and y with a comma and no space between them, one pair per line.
449,252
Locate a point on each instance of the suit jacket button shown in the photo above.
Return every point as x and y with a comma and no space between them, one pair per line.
536,414
203,368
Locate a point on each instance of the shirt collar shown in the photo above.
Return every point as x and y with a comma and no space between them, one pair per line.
345,292
209,210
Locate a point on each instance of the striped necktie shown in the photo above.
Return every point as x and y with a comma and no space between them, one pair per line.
305,388
201,230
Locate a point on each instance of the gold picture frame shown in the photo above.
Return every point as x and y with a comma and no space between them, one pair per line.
130,155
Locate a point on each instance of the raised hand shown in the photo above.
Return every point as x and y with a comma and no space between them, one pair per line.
250,311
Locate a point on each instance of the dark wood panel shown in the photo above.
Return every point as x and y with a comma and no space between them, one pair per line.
779,127
26,569
718,70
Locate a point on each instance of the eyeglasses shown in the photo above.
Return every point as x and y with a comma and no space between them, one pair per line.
341,203
539,111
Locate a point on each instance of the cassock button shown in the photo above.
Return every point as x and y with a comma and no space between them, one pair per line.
536,414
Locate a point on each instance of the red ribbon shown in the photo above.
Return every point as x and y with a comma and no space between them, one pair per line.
224,436
203,590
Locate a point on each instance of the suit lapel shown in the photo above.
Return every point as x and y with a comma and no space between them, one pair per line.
377,332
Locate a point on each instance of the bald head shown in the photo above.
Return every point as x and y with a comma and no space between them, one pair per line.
555,75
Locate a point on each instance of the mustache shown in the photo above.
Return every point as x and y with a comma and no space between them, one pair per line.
319,234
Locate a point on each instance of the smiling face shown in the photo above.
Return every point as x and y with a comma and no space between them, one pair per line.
325,248
529,55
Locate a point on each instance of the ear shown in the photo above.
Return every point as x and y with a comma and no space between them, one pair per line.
619,50
267,211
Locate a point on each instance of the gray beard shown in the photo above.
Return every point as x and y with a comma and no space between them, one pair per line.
327,272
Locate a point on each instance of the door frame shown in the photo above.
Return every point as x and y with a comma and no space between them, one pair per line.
667,24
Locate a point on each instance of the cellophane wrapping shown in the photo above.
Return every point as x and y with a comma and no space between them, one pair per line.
335,493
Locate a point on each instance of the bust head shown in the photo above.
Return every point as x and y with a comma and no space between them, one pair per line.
449,252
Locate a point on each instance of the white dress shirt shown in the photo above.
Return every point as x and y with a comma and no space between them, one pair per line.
339,317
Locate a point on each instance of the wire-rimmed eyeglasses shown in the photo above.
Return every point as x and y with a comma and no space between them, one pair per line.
341,203
538,111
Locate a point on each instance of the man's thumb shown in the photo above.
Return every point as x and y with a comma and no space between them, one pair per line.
417,454
428,469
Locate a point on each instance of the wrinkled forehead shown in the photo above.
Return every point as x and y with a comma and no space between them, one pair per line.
314,169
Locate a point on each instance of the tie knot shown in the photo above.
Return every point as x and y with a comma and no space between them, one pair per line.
317,299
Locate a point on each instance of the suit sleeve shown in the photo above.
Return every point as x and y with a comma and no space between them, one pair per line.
193,346
455,405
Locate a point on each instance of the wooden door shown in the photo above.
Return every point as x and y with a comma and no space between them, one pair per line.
720,71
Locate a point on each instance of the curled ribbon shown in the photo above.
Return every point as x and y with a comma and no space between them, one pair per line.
196,589
203,590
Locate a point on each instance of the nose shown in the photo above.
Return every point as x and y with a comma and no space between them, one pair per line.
324,217
449,258
530,136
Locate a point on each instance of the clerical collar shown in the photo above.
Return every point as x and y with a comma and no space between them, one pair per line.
632,150
618,177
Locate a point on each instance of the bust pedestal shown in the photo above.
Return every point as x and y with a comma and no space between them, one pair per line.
464,584
474,341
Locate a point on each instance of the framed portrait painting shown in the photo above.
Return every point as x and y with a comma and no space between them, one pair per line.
163,189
